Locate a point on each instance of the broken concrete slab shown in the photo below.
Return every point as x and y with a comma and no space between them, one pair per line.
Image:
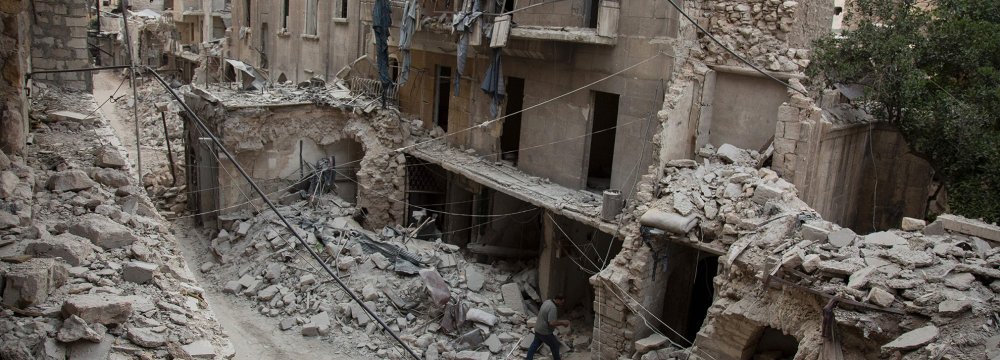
842,237
731,154
766,192
493,343
109,157
472,355
147,337
911,224
814,232
31,282
512,297
318,325
880,297
960,281
70,180
859,279
201,349
838,267
74,328
102,231
98,308
885,239
72,116
952,307
436,286
649,343
959,224
474,279
913,339
71,248
139,272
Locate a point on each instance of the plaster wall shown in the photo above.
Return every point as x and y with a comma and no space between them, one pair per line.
745,110
59,41
292,52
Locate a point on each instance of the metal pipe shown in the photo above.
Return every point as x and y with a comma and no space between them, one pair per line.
123,5
197,120
170,153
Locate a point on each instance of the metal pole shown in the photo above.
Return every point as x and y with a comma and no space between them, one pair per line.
197,120
135,92
170,153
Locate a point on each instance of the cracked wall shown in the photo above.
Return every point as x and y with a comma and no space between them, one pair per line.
14,62
266,140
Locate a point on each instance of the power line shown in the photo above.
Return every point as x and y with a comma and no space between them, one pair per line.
724,47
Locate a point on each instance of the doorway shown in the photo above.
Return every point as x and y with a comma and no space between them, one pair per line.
510,139
593,9
602,140
442,96
702,294
264,32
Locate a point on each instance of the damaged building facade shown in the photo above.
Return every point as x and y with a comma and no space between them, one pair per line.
664,185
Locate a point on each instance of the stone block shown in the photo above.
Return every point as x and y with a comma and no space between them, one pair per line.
971,227
474,279
139,272
318,325
512,297
111,177
103,232
74,328
913,339
911,224
147,337
201,349
69,180
31,282
8,184
814,232
73,249
842,237
649,343
885,239
98,308
880,297
731,154
766,192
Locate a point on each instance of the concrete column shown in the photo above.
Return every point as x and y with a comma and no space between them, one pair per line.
206,22
548,261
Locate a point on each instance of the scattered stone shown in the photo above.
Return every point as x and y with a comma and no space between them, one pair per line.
954,307
139,272
287,323
961,281
880,297
472,355
436,286
101,309
842,237
369,292
346,263
493,343
911,224
913,339
814,232
31,282
111,178
201,349
69,180
8,184
108,157
473,278
380,261
318,325
651,342
766,192
71,248
74,328
103,232
884,238
731,154
147,337
859,279
838,267
512,297
307,280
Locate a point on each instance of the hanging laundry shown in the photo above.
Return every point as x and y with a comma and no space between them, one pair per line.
405,37
493,84
381,22
463,23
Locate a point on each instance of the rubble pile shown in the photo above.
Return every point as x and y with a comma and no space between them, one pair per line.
757,29
442,305
168,188
88,267
935,284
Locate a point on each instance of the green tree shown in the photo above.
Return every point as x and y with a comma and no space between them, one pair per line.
932,69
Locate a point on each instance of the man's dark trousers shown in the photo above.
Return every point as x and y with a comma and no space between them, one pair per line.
549,340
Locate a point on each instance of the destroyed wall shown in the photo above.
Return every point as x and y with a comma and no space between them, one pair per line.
266,140
770,34
856,173
291,51
59,41
15,61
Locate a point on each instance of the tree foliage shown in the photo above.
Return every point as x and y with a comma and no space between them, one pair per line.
931,68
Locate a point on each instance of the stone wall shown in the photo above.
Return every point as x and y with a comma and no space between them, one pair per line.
14,61
59,41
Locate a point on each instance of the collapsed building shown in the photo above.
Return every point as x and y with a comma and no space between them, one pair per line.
623,154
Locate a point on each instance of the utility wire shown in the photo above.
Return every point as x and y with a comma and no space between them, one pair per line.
724,47
197,120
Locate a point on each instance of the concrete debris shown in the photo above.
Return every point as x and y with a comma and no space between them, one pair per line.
32,282
74,328
842,237
913,339
649,343
911,224
318,325
139,272
147,337
73,249
103,232
70,180
436,286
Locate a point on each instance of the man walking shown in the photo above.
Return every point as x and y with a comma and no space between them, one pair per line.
545,323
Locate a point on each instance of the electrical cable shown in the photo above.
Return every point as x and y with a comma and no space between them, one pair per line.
488,122
197,120
724,47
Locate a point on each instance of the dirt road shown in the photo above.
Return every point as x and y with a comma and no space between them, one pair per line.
109,84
